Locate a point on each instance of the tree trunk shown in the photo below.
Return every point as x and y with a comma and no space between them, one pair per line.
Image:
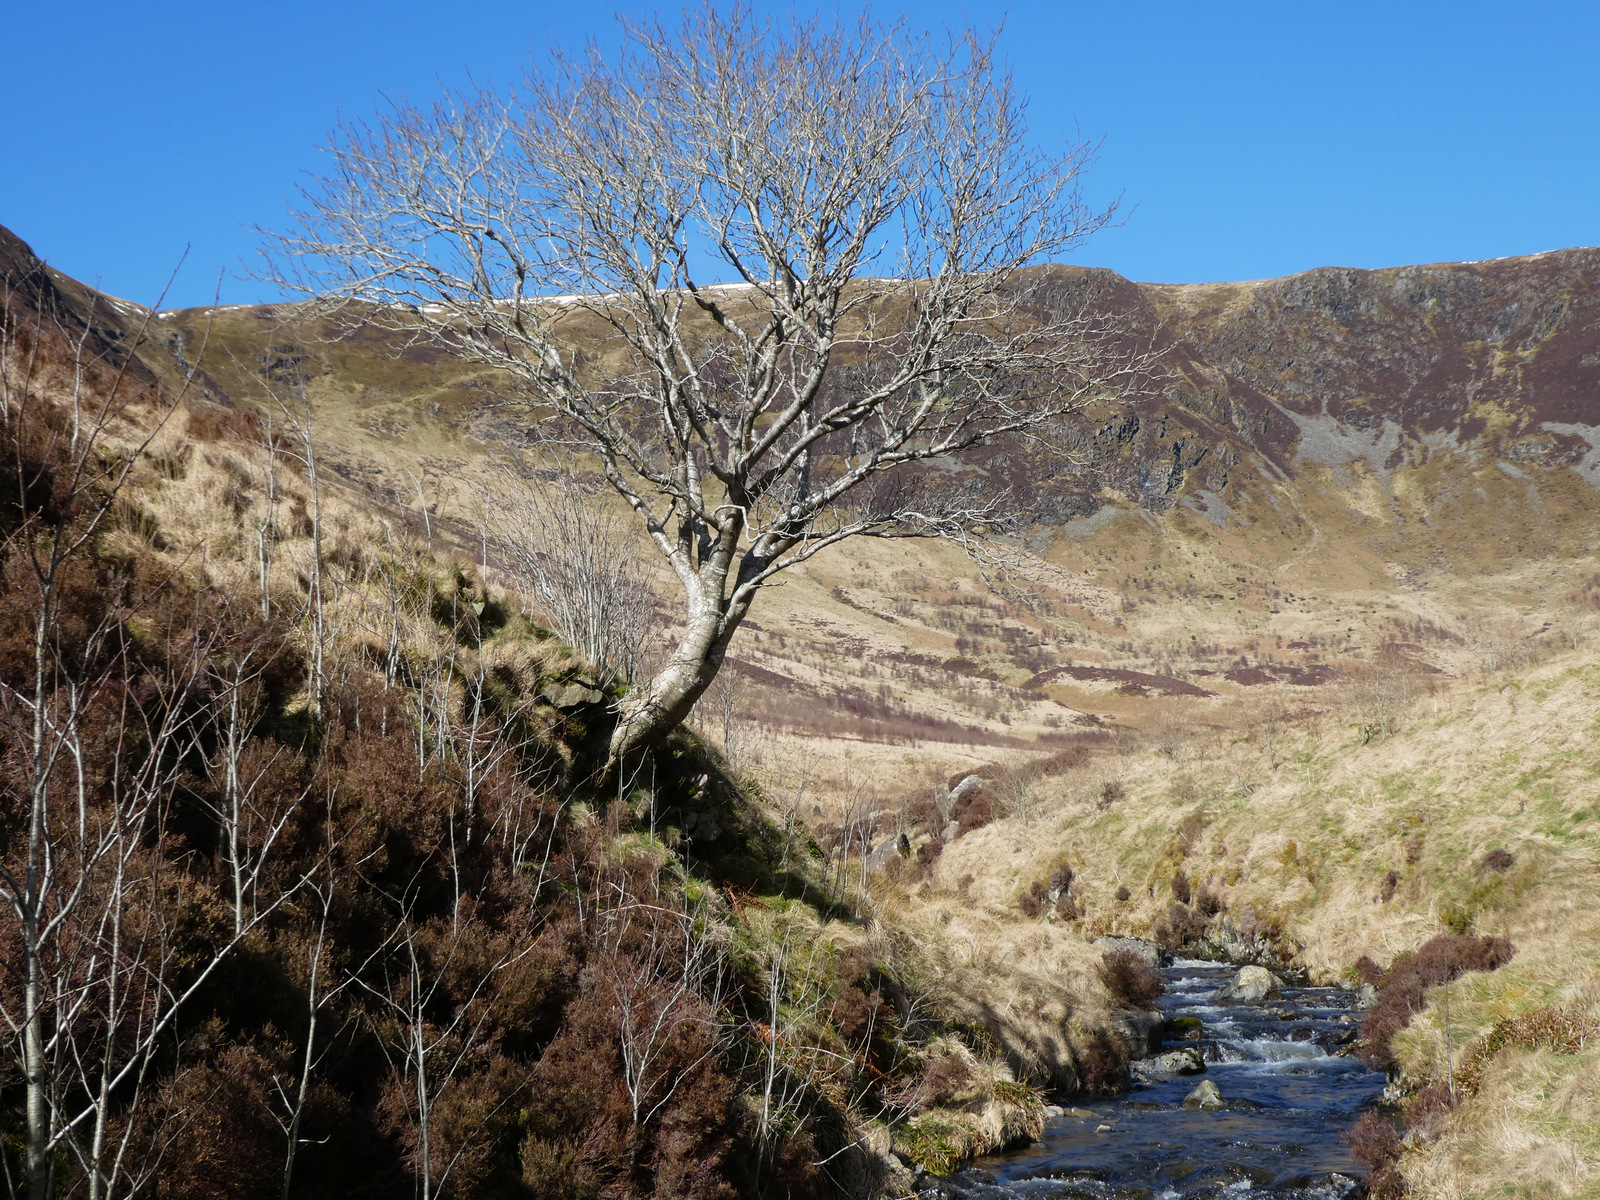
660,704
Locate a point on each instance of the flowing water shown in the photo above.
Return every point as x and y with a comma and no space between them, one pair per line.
1289,1097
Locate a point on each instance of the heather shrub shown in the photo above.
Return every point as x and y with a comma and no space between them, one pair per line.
1123,894
1181,891
1391,881
942,1079
1131,979
1562,1030
1498,861
1102,1064
1061,878
1030,905
1375,1143
974,811
1066,907
1404,989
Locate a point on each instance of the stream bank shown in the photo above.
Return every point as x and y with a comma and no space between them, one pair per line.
1288,1094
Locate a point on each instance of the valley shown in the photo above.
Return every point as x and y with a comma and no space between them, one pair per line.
1291,656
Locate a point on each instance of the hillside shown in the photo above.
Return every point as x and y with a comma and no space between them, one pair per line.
1311,631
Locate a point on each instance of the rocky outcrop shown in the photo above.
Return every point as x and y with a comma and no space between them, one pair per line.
1152,952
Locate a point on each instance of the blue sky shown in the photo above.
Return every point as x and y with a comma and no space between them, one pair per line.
1246,139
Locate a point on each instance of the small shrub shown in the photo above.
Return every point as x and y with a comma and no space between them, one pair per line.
1123,894
1181,892
1066,909
1368,971
1405,986
1562,1030
1061,878
1390,882
1181,925
1208,904
1414,851
974,811
940,1082
1029,904
1429,1104
1102,1063
1498,861
1111,792
1131,979
1375,1143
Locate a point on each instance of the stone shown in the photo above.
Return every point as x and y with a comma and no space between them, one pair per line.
1153,954
570,695
1141,1030
1170,1065
965,788
882,853
1204,1098
1250,986
1185,1029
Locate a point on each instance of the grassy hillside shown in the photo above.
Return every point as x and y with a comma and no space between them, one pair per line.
1323,696
1472,810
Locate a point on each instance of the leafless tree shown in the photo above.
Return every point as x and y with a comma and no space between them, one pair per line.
662,968
579,563
103,968
776,278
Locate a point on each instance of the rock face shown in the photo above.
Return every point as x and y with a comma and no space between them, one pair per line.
1225,940
1149,951
1204,1098
1250,986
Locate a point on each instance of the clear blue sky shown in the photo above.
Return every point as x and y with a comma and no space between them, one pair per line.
1248,139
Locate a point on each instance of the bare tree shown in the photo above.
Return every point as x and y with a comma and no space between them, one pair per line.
579,563
874,218
93,749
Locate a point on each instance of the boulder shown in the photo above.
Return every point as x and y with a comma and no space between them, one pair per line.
1141,1030
1185,1029
882,853
570,695
1152,953
1204,1098
1170,1065
969,785
1250,986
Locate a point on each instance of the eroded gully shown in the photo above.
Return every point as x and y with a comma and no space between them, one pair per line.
1288,1095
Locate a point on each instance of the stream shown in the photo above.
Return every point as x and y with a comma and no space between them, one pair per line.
1288,1094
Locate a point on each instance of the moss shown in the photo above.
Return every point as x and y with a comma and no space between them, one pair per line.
938,1142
